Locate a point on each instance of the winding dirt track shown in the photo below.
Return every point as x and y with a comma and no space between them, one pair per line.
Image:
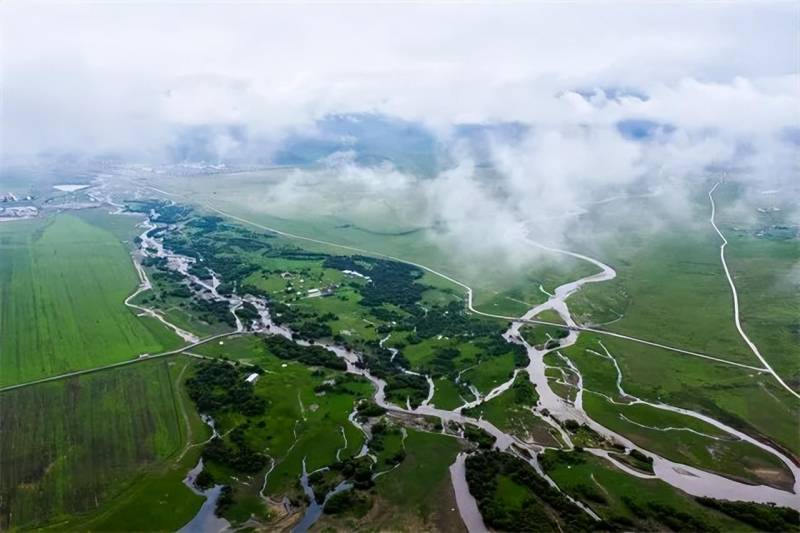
736,318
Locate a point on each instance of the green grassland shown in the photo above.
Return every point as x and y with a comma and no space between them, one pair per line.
724,392
675,271
619,498
286,272
539,334
74,449
63,282
448,395
751,402
670,288
415,496
489,373
511,412
303,420
485,373
765,273
732,458
299,423
420,488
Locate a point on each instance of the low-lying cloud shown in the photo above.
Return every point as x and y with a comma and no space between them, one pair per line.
574,103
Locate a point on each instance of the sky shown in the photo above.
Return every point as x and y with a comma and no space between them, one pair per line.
95,76
706,85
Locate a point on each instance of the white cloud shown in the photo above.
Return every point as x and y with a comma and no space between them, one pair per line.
721,77
94,75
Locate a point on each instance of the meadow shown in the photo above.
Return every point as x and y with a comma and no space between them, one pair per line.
627,501
307,407
299,423
425,322
767,283
727,456
419,490
63,280
512,412
671,287
742,399
751,402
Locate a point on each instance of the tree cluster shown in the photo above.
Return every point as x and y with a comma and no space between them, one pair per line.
537,512
218,386
312,355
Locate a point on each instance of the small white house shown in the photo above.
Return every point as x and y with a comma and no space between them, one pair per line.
251,378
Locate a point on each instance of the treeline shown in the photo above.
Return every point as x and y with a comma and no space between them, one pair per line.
761,517
451,320
167,212
208,252
305,324
538,510
312,355
238,455
524,391
399,385
247,312
348,501
478,436
214,311
673,518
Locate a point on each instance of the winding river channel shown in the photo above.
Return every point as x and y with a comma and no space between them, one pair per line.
552,408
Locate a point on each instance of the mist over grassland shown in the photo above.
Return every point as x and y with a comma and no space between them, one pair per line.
475,126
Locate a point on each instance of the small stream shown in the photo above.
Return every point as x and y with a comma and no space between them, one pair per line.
206,520
467,506
315,509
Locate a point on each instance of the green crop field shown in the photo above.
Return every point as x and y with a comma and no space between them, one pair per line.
62,285
72,448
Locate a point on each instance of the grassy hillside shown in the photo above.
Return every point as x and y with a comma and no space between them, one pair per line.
62,286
